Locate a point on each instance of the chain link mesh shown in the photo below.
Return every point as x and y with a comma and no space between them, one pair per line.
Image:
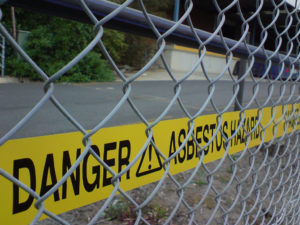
260,185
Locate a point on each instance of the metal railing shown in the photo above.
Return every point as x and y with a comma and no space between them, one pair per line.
258,183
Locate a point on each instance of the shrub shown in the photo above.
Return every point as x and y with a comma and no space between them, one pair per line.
53,42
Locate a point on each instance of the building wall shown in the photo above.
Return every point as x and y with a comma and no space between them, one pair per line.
183,59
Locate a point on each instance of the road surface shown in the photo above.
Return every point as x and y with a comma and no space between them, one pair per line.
90,103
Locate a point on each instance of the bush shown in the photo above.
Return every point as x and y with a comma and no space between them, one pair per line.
115,44
90,68
140,51
54,44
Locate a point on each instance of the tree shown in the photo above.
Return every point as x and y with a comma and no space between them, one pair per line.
54,41
142,48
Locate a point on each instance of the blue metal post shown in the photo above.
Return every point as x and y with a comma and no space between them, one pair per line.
176,10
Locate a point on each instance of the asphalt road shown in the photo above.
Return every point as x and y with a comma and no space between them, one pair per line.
90,103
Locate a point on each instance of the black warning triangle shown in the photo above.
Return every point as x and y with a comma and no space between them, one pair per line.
148,163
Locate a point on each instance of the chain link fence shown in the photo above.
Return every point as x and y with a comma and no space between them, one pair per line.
255,183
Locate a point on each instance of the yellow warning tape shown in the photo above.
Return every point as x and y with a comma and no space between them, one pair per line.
40,162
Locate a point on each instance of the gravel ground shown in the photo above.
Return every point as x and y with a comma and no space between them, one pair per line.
266,189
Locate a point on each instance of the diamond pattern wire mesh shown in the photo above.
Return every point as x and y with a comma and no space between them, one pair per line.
261,185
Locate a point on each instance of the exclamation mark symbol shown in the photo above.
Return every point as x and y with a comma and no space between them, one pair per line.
150,156
153,165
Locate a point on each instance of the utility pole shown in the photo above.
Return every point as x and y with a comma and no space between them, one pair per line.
13,21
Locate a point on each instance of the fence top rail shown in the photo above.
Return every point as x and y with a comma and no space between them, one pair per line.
132,20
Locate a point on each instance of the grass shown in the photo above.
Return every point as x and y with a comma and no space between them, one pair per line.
229,170
235,156
160,212
201,177
155,213
119,209
200,182
224,179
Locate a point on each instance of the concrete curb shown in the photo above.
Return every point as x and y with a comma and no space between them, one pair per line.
156,75
6,80
151,75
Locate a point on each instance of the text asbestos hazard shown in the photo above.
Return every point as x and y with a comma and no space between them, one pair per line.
40,162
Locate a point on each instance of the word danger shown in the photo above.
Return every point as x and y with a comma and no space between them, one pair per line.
88,176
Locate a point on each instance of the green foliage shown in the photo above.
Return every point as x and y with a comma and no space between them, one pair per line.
161,211
224,179
160,8
119,210
53,42
141,49
229,170
114,42
90,68
235,156
156,213
200,180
